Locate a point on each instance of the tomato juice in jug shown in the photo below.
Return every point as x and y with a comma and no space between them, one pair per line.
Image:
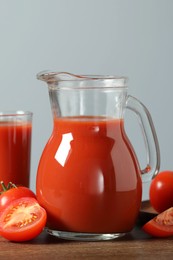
91,177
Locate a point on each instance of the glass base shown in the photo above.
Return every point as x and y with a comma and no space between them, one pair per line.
83,236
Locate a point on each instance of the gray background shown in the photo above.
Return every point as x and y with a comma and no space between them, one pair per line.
121,37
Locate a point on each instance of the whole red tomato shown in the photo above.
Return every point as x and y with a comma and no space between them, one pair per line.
12,192
161,191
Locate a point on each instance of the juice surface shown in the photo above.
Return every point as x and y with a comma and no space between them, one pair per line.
15,145
88,178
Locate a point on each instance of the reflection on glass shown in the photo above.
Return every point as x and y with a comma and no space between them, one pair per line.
64,148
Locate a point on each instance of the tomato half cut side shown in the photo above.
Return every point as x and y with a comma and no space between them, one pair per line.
22,220
161,225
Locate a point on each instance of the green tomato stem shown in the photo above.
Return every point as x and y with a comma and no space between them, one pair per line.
8,187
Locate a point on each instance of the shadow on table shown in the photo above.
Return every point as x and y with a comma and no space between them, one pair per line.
45,238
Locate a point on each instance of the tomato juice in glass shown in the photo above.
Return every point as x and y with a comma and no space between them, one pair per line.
91,181
15,147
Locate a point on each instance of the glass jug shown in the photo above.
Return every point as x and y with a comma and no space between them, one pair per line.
89,179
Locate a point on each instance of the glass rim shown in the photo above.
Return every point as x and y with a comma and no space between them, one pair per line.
15,113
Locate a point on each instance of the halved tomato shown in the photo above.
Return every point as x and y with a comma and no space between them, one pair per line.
161,225
23,219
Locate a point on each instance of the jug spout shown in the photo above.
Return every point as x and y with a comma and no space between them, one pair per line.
49,76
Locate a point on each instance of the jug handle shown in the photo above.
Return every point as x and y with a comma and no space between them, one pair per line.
150,138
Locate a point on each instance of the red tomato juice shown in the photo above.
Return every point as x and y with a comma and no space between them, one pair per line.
88,178
15,146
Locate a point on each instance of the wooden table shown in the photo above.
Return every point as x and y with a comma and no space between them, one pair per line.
135,245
